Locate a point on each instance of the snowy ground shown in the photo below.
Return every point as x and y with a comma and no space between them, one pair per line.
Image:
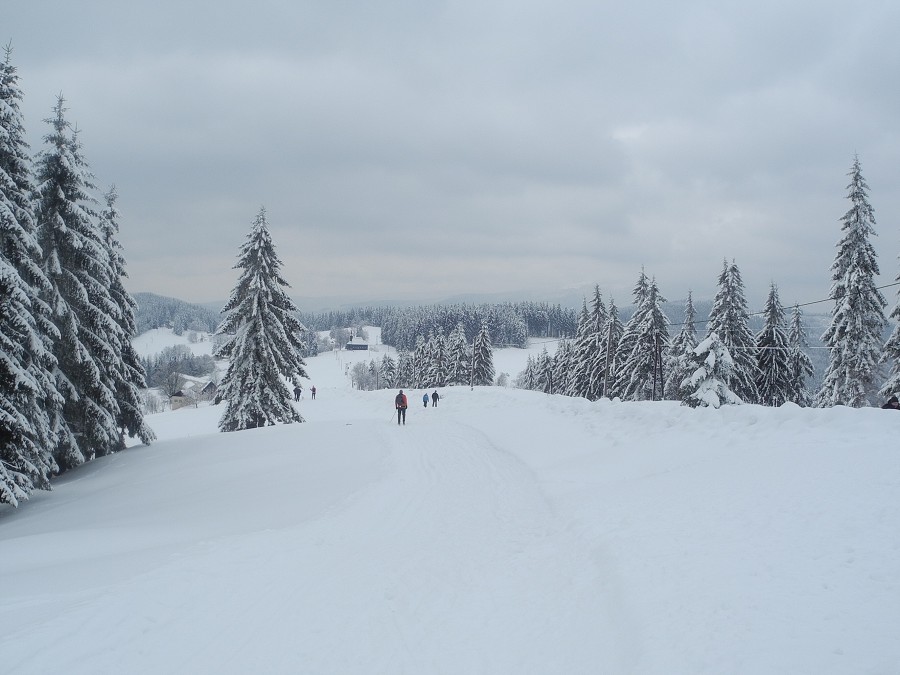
502,532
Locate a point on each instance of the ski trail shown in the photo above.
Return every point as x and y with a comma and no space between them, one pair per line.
461,537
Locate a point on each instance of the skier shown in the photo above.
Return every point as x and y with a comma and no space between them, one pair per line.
892,404
297,392
434,399
400,403
313,392
425,399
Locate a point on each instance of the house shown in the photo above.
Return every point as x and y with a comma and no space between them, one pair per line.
208,392
357,346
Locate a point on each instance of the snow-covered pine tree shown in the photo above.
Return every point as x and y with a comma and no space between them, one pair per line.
388,372
482,358
680,361
458,355
609,348
640,377
405,370
545,372
77,265
562,367
595,354
891,355
800,364
774,377
26,391
730,320
439,366
262,342
420,363
619,377
579,383
130,377
854,335
708,384
528,378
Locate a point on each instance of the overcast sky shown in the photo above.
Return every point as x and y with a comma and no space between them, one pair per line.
437,148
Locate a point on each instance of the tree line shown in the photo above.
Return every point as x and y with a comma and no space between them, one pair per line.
640,360
70,379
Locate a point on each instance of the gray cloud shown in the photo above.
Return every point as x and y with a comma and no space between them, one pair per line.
442,148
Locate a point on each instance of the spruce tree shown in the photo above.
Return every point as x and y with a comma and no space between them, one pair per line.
26,391
891,355
263,341
609,347
800,364
482,358
562,368
730,320
708,386
76,263
857,319
774,377
679,364
621,377
130,377
596,367
640,376
458,355
388,372
579,384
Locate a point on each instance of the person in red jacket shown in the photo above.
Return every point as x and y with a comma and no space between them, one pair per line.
400,403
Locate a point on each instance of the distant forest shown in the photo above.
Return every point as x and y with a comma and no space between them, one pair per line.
157,311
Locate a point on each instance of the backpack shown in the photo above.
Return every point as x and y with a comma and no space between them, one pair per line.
398,402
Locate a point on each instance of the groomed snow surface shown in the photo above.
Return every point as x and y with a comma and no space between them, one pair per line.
502,532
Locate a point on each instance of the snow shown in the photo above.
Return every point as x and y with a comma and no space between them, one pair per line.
504,531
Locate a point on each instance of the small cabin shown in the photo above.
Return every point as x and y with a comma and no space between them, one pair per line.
357,346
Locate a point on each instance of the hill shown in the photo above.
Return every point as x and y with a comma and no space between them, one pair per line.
157,311
503,531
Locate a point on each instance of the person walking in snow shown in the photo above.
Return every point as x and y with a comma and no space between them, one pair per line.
400,403
313,392
425,399
297,392
892,404
434,399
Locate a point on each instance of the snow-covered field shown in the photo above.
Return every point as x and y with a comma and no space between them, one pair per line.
503,532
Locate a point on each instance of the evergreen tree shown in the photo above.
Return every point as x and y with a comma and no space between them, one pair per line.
439,366
680,363
579,383
799,362
130,378
26,391
483,358
76,263
545,373
529,378
730,320
562,368
891,355
458,355
263,343
609,348
854,335
388,372
596,362
620,377
405,370
774,380
640,376
708,384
